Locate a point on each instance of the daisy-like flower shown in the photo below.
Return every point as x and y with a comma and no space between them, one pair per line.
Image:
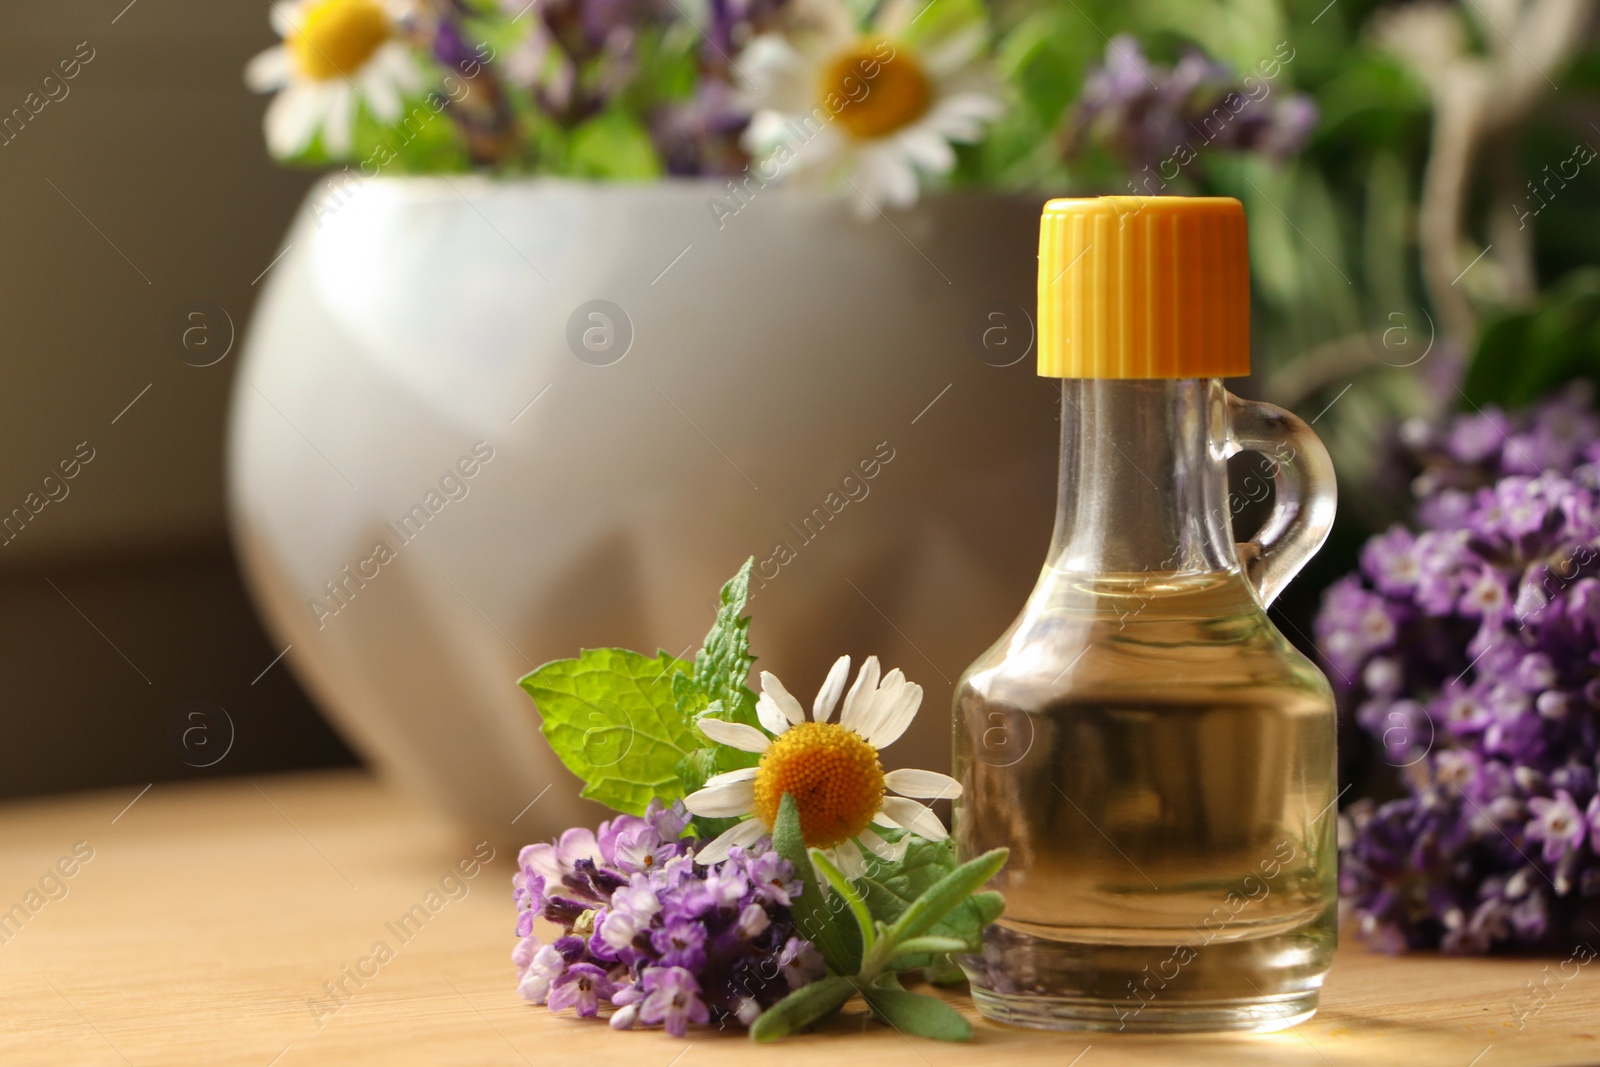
876,106
335,55
830,768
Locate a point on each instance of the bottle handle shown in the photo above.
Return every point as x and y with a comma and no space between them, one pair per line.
1305,489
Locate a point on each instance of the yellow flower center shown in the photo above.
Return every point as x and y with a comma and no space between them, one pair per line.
833,775
337,37
880,96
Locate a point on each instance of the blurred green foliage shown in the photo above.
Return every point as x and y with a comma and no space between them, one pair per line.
1526,354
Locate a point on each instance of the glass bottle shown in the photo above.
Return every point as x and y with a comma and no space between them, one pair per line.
1155,754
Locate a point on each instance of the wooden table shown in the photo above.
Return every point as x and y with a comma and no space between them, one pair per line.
204,926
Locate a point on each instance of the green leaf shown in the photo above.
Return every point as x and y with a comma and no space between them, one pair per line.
722,665
610,716
942,970
717,687
693,771
925,864
615,146
928,944
840,946
914,1013
937,23
948,893
1524,355
842,886
807,1005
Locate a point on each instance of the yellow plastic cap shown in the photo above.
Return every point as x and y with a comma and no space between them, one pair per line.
1144,287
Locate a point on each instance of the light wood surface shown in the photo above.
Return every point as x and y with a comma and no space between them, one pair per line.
209,918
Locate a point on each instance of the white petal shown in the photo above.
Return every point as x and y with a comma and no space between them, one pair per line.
858,702
847,857
774,77
293,117
398,62
828,695
746,774
341,114
874,706
788,705
763,134
896,717
882,819
382,96
771,716
928,151
885,850
734,734
722,800
742,834
916,818
272,69
896,16
899,182
285,17
914,783
955,52
825,147
961,116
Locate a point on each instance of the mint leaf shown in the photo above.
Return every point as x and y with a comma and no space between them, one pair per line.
615,146
610,716
924,865
693,770
717,687
723,663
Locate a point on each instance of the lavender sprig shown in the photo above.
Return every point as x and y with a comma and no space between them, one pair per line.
647,930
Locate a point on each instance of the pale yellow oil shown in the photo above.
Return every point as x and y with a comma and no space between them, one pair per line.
1160,762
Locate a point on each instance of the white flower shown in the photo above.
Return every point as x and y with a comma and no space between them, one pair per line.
831,769
335,54
871,106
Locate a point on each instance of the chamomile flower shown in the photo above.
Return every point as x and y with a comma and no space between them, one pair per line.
335,55
830,768
876,107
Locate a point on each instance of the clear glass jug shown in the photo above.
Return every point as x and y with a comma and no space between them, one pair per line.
1155,754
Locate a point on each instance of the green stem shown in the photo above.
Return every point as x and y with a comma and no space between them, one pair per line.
858,907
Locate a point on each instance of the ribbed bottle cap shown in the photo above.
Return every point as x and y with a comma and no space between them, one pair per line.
1144,287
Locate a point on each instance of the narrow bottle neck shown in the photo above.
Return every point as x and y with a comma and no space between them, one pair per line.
1144,483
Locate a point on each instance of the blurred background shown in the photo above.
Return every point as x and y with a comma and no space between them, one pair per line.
1424,222
143,189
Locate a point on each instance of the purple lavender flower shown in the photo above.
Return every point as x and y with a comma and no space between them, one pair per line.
545,966
581,986
701,135
682,943
528,894
1159,121
647,931
672,998
802,964
1558,823
640,848
1469,653
770,876
632,908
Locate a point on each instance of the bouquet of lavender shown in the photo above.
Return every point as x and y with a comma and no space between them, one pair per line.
1469,651
763,871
